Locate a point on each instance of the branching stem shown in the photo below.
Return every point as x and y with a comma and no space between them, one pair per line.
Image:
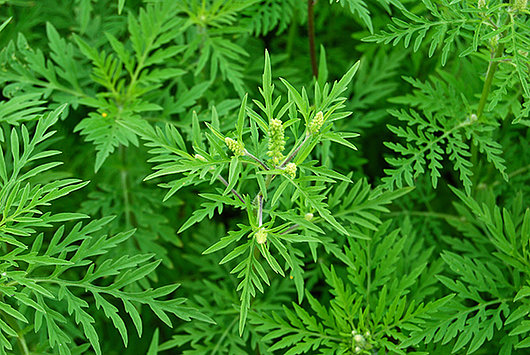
287,160
281,166
125,187
256,159
260,209
290,229
294,152
222,179
492,67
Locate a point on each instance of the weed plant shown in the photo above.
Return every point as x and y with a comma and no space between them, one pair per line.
264,177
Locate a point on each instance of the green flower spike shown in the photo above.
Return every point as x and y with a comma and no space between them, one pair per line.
520,5
276,141
237,148
290,169
316,123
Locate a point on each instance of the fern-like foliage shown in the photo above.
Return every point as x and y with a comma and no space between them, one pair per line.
494,25
222,337
47,277
154,233
368,311
491,293
28,71
271,15
448,125
129,74
213,21
124,76
444,24
374,85
431,136
272,182
308,215
360,8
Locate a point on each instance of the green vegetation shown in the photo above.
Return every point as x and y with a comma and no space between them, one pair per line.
264,177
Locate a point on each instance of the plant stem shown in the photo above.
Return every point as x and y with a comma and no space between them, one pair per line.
256,159
492,67
293,154
290,229
224,335
511,175
222,179
287,160
260,209
125,187
139,66
311,35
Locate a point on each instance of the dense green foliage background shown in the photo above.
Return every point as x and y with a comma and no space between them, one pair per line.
367,194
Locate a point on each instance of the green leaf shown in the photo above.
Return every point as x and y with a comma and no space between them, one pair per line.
153,347
5,23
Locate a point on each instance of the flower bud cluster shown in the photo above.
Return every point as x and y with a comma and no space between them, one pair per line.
261,236
359,342
236,147
276,141
290,169
316,123
481,4
470,119
520,5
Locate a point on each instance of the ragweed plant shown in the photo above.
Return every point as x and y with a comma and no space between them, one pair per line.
384,210
271,231
369,310
53,268
448,124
